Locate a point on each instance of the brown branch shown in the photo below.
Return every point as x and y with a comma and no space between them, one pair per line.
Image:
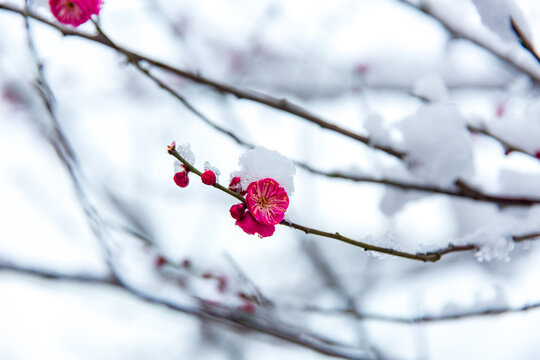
420,319
431,256
470,193
508,147
221,314
54,275
504,55
217,313
465,191
240,317
281,104
523,40
258,97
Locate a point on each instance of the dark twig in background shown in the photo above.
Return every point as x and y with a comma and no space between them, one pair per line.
453,29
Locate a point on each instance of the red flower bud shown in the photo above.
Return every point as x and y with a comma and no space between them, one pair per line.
222,283
248,307
171,147
235,185
237,211
208,177
181,179
160,261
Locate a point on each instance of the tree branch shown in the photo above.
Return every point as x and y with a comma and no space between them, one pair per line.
55,275
431,256
422,319
221,314
508,147
503,54
258,97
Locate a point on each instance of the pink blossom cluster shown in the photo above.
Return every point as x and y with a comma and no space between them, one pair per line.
74,12
266,204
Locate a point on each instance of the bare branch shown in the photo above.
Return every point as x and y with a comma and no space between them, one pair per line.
431,256
508,147
503,54
55,275
421,319
258,97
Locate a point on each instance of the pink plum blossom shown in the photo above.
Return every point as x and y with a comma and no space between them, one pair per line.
74,12
267,201
252,226
247,223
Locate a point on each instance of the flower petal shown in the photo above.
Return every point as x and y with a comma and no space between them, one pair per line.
267,201
251,226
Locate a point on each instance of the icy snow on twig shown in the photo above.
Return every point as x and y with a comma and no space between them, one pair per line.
185,151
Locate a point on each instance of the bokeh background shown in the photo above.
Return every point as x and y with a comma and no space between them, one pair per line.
366,65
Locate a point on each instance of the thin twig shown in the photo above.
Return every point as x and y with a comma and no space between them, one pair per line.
508,147
111,280
217,313
259,297
473,195
465,190
420,319
221,314
281,104
55,275
431,256
258,97
501,53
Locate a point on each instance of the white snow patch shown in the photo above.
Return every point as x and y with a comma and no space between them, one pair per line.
386,240
177,166
431,88
521,128
496,15
260,163
516,183
437,144
395,199
378,133
494,239
185,151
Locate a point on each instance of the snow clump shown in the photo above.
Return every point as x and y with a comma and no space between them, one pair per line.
431,88
496,15
185,151
260,163
437,144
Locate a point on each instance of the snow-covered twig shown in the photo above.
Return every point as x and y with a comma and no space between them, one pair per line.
458,32
286,106
55,275
431,256
508,147
420,319
261,98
